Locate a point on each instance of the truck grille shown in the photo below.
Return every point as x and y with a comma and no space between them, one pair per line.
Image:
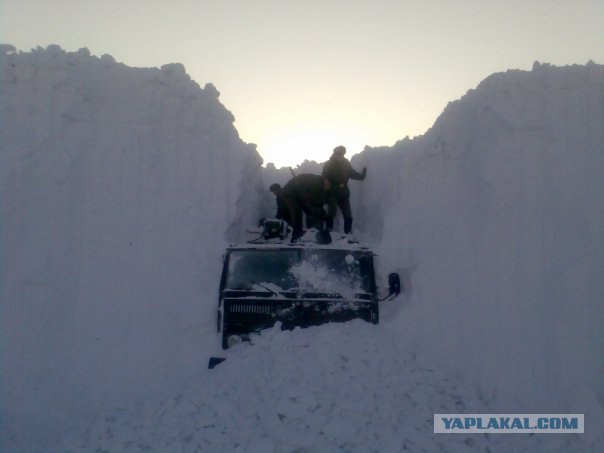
250,308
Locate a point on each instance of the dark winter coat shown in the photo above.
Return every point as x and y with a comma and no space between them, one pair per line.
282,211
306,189
338,171
305,193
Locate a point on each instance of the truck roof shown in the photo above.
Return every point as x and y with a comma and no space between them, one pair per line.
286,245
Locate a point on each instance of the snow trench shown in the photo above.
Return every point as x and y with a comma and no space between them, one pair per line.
120,188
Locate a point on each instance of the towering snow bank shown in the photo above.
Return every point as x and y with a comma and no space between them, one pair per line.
117,186
499,213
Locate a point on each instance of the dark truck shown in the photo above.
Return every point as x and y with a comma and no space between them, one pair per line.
297,285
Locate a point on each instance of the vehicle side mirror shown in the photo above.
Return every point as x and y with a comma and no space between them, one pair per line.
215,361
394,284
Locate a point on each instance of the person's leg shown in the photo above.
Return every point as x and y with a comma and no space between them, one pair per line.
344,204
332,210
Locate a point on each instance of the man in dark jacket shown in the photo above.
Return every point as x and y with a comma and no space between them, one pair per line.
282,211
305,193
338,171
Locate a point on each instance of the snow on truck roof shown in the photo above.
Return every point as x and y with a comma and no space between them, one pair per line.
285,244
289,246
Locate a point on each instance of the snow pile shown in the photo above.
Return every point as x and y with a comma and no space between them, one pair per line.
117,187
300,391
498,212
334,276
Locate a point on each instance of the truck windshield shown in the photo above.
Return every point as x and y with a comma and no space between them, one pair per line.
248,268
325,271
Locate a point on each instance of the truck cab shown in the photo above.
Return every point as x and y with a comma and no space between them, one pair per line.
298,284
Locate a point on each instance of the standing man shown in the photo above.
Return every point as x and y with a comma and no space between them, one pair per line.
305,193
338,171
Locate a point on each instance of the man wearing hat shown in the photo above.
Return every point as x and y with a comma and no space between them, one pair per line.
338,171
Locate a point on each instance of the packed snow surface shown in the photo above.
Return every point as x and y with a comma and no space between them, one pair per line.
350,387
120,188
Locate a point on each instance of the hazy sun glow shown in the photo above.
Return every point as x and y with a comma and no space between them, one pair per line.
291,145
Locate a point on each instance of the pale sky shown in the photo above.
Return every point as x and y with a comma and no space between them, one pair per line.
301,77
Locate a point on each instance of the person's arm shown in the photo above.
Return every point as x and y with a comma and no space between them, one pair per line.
355,174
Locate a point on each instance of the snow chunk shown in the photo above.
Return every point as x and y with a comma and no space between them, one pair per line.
210,90
174,69
314,276
7,49
108,59
54,50
83,52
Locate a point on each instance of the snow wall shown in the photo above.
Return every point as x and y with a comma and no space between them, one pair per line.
497,212
119,189
496,218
